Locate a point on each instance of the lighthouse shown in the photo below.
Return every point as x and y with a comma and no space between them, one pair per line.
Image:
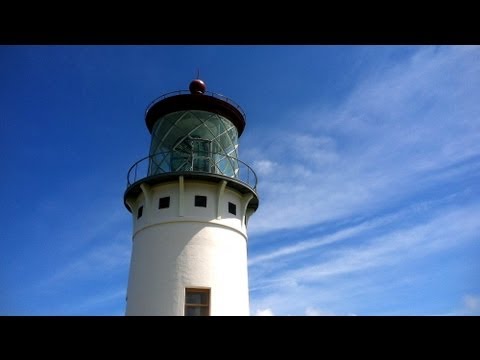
190,200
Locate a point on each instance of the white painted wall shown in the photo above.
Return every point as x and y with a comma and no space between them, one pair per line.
203,248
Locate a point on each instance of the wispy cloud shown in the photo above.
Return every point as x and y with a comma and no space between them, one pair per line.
337,273
99,300
395,129
94,283
405,138
447,230
109,301
346,233
100,260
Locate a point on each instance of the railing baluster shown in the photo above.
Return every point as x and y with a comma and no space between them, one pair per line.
139,174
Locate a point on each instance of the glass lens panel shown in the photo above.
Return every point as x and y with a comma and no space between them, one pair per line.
204,311
196,311
192,298
196,298
192,311
194,141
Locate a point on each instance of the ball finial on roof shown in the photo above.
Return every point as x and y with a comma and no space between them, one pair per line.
197,86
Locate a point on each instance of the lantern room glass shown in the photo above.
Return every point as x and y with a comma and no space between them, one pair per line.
194,140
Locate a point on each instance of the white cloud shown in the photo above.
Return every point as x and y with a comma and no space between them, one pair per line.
449,229
264,167
311,311
472,303
340,235
333,278
400,131
264,312
470,306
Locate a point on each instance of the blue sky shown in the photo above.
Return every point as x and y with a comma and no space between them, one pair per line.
368,160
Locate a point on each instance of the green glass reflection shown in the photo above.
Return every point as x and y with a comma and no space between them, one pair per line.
194,140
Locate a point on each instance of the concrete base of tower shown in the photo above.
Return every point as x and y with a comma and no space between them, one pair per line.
170,258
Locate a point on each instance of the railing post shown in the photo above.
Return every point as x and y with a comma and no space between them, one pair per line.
238,170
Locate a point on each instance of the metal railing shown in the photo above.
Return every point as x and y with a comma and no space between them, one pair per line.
184,92
176,161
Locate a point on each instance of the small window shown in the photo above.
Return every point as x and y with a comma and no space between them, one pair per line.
197,302
200,201
232,208
164,202
140,212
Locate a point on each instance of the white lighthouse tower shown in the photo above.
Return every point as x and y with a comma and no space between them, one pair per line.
190,200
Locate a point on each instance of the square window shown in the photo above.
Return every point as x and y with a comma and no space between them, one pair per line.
200,201
232,208
197,302
164,202
140,212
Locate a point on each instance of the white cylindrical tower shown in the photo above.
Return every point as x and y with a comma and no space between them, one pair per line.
190,200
